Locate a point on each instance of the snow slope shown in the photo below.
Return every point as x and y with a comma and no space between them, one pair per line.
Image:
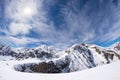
104,72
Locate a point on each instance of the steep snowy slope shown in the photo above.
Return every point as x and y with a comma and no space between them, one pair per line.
4,50
115,47
83,56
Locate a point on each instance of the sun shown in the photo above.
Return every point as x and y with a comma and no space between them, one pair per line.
28,11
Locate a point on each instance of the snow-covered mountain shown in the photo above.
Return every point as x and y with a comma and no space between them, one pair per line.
52,60
40,52
115,47
85,56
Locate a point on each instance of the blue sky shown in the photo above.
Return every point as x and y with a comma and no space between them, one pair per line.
59,23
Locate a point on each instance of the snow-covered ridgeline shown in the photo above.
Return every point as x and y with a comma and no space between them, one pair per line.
78,57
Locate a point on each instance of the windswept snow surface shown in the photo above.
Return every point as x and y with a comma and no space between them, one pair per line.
104,72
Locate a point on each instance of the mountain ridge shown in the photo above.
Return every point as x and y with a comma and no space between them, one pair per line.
75,58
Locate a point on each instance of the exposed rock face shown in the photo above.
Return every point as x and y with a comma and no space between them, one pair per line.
43,54
43,67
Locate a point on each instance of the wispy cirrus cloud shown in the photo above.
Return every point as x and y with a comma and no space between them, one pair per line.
60,23
20,10
19,28
18,41
113,33
24,16
19,13
93,22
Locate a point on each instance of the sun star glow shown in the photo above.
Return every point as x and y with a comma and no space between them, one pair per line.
28,11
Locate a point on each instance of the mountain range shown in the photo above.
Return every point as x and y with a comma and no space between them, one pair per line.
52,60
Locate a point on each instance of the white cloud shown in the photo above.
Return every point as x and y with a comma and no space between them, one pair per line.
23,40
26,15
91,24
77,22
114,30
42,27
79,25
18,41
19,28
20,10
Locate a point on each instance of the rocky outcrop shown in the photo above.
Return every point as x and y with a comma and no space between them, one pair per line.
43,67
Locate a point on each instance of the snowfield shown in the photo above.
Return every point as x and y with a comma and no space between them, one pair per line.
104,72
